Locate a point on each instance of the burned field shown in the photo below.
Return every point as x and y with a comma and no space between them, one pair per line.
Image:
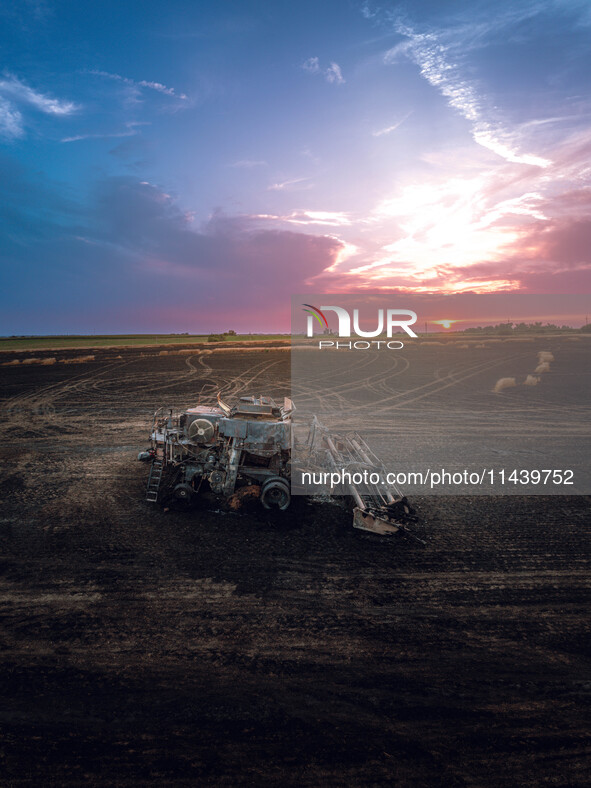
217,648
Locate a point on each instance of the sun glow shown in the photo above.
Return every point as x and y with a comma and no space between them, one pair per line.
444,228
445,323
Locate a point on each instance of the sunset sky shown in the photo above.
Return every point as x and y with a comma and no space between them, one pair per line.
187,166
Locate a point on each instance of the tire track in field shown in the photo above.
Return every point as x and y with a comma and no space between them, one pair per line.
376,383
398,400
239,384
24,410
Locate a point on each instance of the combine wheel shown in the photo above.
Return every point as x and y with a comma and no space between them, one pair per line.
275,493
183,493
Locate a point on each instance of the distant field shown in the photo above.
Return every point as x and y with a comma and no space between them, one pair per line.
120,340
137,340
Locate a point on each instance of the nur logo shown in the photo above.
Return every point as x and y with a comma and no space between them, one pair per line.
386,320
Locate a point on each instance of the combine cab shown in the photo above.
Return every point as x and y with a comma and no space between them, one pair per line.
244,452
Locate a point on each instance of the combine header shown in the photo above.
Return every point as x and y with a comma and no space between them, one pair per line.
244,451
378,507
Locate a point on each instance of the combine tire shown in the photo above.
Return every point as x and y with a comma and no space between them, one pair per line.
183,494
275,493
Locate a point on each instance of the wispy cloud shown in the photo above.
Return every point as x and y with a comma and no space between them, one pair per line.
248,164
312,65
142,83
22,93
15,93
11,120
332,74
331,218
438,56
305,217
390,129
130,130
367,11
290,185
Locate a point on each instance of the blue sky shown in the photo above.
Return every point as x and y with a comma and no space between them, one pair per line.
187,166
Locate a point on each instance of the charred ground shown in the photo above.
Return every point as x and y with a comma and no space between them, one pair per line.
146,647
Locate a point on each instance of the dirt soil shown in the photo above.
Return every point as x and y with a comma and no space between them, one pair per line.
143,647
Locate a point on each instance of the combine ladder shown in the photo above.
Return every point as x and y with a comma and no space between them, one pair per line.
154,480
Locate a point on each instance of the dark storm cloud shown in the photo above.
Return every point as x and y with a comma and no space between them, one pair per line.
132,247
146,222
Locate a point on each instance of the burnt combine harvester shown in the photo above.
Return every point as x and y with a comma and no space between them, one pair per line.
245,452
